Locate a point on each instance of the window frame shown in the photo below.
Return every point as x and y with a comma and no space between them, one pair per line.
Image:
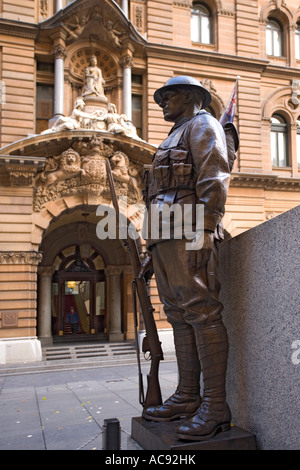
297,41
279,139
298,143
270,40
199,17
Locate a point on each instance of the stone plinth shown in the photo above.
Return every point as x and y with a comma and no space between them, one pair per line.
18,350
161,436
260,278
95,103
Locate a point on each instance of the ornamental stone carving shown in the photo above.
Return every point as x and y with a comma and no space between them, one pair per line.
75,26
92,109
20,257
99,119
81,169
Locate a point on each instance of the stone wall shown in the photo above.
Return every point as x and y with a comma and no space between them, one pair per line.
260,277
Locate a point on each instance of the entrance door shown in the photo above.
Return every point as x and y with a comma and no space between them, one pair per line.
76,307
78,300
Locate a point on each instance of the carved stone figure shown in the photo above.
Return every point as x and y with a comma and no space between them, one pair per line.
75,29
78,119
82,169
62,167
113,34
127,175
118,124
100,119
94,82
191,167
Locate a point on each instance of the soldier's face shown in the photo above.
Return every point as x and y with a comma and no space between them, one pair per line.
174,105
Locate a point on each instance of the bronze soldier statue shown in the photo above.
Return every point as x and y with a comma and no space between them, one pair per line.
191,167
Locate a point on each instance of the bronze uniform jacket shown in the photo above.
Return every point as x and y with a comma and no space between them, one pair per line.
190,167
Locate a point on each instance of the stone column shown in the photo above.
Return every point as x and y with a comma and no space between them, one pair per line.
113,275
58,5
125,7
127,63
59,52
44,305
291,46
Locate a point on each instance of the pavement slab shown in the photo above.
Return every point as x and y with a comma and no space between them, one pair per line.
65,410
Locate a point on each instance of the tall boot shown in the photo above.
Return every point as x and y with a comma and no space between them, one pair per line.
186,399
214,414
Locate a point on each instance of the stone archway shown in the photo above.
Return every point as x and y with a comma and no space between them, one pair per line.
62,186
105,260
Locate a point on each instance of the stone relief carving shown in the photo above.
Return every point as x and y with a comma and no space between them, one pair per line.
126,174
100,119
114,34
295,92
76,26
100,26
81,169
58,168
78,119
20,257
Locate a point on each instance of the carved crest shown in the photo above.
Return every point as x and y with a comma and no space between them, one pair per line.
81,169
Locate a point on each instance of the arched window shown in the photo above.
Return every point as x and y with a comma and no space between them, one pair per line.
297,41
274,38
279,141
201,24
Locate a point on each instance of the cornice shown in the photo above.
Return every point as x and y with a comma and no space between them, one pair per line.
265,181
207,57
18,28
40,146
275,70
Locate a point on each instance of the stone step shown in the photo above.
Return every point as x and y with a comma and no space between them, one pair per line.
55,352
80,356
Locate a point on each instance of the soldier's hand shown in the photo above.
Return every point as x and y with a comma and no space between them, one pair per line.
146,269
203,246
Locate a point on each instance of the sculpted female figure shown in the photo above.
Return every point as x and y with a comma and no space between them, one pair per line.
94,82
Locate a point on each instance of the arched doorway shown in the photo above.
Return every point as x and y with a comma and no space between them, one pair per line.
93,275
78,284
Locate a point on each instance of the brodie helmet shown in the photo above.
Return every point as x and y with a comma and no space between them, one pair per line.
183,81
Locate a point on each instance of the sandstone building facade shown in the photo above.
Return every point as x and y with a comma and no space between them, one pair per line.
74,75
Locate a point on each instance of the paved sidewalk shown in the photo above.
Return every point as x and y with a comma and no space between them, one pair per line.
65,409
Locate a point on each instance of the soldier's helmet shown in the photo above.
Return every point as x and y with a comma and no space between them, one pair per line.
183,81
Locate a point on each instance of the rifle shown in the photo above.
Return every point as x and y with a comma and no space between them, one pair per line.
151,343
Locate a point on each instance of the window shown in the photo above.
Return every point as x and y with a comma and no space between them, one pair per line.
298,142
137,103
137,114
297,41
44,106
279,141
274,38
201,24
